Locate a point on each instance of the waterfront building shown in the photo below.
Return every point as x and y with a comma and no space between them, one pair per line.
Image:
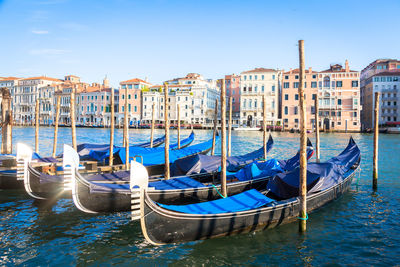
9,83
232,83
339,98
25,93
254,84
382,76
290,98
195,95
135,87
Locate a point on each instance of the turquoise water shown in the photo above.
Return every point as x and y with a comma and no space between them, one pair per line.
361,228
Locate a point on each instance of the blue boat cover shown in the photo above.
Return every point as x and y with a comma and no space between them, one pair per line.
208,164
176,183
290,164
247,200
320,176
152,156
259,169
184,143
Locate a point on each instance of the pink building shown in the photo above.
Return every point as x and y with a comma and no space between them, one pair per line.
232,83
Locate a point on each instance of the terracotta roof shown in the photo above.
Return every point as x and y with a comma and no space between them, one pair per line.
9,78
256,70
135,80
388,73
72,76
42,78
342,70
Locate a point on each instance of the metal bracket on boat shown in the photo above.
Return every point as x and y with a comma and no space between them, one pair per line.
139,181
24,156
70,164
137,156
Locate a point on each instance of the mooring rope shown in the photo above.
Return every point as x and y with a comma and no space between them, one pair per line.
304,219
217,190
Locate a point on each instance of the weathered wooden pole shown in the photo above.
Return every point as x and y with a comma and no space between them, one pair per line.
179,125
7,120
303,145
230,128
223,139
37,111
215,127
153,108
376,142
166,124
265,126
56,126
126,127
316,106
73,126
112,122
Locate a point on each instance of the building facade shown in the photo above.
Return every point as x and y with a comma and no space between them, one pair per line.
254,84
290,98
380,76
232,83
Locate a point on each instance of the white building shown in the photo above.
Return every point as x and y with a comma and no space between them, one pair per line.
254,84
195,95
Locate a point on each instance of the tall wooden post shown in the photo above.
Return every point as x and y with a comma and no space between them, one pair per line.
376,142
303,144
126,127
265,126
230,128
73,126
7,119
166,124
37,111
112,122
316,106
153,108
215,127
179,125
56,126
223,139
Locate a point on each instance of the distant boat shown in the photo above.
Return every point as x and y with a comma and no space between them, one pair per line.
247,129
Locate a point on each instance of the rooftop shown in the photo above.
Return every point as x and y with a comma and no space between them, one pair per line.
257,70
42,78
135,80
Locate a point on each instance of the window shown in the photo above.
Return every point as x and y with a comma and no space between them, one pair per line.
354,84
250,77
129,107
339,83
136,86
355,114
286,111
245,77
273,88
123,96
295,110
314,96
129,96
286,77
314,76
130,86
286,97
273,77
255,88
262,88
123,86
262,77
296,97
295,85
296,77
135,108
285,85
296,120
135,96
313,84
255,77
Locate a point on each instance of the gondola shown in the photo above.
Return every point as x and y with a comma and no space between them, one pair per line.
9,175
111,197
44,186
250,210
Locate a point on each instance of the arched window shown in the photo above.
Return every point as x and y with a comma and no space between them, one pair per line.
327,82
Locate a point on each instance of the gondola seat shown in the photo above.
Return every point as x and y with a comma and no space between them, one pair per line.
247,200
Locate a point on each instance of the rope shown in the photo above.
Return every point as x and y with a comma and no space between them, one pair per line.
304,219
217,190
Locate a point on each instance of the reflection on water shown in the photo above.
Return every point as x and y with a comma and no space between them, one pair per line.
360,228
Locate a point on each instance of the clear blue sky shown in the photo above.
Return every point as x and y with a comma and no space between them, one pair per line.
165,39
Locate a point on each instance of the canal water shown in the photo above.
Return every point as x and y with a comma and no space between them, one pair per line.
361,228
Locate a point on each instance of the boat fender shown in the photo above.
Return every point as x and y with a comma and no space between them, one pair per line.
70,165
139,181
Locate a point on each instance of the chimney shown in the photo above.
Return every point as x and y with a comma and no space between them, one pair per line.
347,66
309,70
290,70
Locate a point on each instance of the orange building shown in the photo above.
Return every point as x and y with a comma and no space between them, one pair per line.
135,87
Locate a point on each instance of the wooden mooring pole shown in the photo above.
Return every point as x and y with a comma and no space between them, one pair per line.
376,142
316,107
166,124
112,122
126,130
215,127
56,126
7,120
73,125
223,139
265,126
303,145
37,111
230,128
153,109
179,126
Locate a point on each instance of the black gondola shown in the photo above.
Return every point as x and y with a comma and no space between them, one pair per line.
276,205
